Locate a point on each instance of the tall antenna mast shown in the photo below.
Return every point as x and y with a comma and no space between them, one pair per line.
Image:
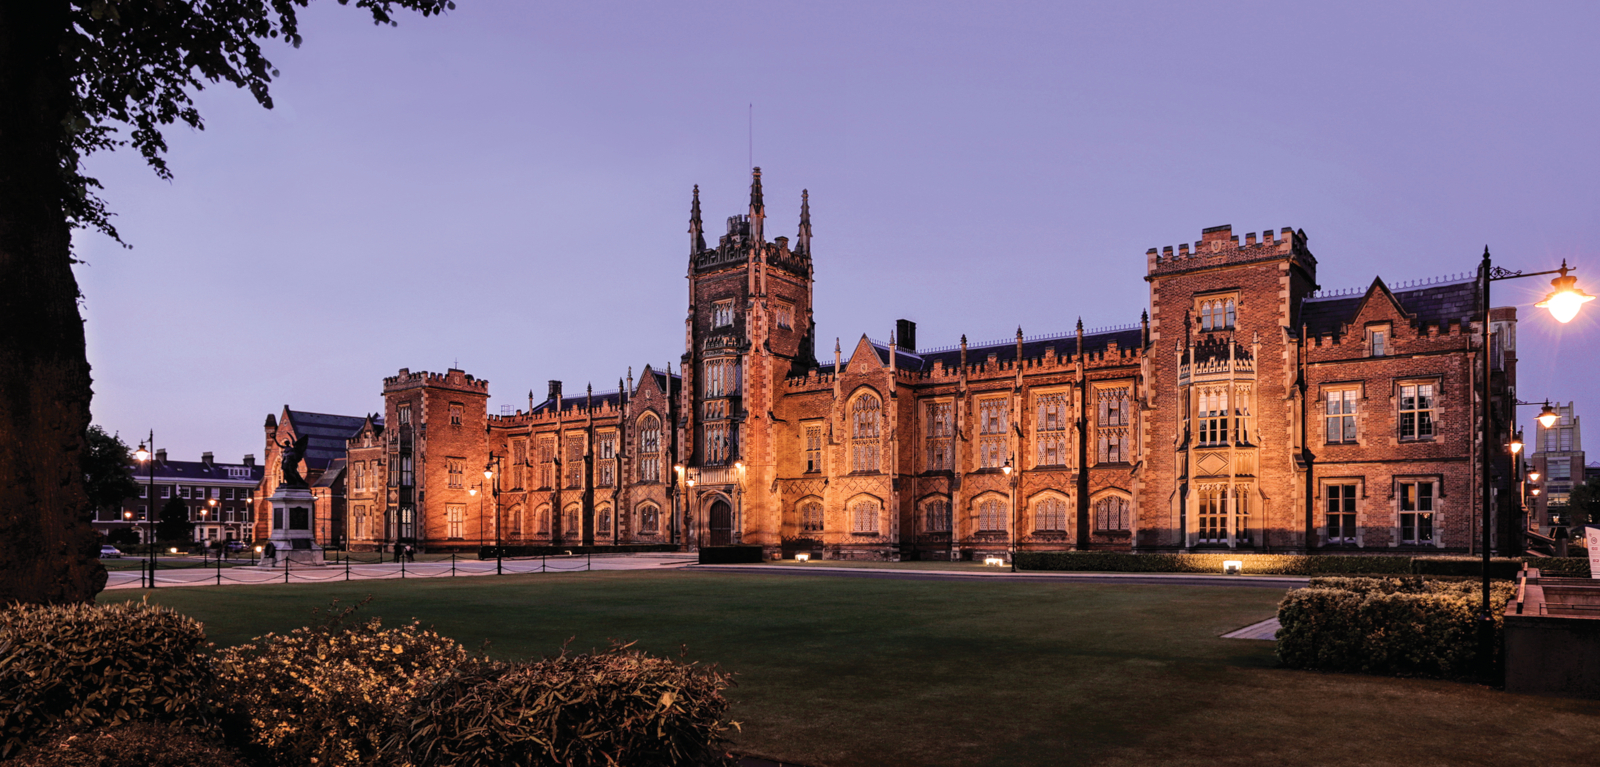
752,135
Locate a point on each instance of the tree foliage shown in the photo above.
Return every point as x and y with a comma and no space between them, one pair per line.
107,472
136,65
174,524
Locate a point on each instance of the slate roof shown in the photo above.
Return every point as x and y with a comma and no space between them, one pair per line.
327,434
330,476
1430,304
1065,344
572,403
197,471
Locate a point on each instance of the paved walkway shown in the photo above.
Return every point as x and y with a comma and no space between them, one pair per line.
255,575
1144,579
1267,629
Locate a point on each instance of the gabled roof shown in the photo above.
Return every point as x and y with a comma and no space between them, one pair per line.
1429,305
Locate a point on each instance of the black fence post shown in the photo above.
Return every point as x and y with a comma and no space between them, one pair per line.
219,571
286,568
452,564
402,567
347,568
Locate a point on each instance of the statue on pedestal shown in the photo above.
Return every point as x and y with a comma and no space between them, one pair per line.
289,465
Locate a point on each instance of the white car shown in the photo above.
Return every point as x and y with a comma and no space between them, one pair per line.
110,552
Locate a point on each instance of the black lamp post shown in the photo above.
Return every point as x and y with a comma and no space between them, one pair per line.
490,475
148,457
1011,495
474,491
1563,302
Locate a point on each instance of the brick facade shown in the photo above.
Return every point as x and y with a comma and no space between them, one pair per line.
1203,426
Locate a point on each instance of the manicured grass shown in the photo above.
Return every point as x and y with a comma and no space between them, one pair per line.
854,671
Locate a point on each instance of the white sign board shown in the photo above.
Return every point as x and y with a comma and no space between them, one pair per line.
1591,539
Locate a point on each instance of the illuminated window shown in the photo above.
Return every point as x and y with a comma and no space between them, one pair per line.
455,519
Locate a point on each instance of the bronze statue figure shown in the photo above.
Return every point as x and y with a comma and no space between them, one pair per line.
293,452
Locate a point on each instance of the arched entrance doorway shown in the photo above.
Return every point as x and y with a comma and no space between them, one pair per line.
721,523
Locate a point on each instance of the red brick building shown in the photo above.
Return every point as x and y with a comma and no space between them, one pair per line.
1245,411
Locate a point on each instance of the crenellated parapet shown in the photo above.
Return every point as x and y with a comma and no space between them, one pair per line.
1219,246
452,379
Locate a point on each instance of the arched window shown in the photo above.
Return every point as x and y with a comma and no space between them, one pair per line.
1205,315
544,520
1228,320
1111,513
649,448
649,519
936,515
1050,514
572,522
865,413
864,516
811,517
992,515
602,520
515,521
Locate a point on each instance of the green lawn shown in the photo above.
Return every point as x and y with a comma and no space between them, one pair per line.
848,671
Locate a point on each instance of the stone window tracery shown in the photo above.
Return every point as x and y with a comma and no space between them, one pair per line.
602,521
1113,424
1111,514
864,516
1217,314
649,519
936,515
649,448
1051,434
722,314
941,436
810,517
865,413
813,448
1050,514
992,513
455,513
606,459
993,415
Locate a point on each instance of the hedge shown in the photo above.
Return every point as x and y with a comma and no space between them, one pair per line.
85,667
1295,564
328,695
617,707
137,744
1391,626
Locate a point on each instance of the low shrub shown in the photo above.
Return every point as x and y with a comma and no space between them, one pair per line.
1211,564
1563,567
618,707
1392,626
85,667
1499,567
137,744
328,695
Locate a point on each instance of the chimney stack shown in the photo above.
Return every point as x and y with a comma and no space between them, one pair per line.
905,331
250,459
207,459
555,392
161,455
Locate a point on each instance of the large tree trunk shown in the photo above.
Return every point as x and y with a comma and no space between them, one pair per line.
47,548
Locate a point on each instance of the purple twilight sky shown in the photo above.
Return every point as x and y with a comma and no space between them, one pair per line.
507,187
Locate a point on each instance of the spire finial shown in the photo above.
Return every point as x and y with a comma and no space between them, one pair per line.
803,238
755,190
697,240
1080,324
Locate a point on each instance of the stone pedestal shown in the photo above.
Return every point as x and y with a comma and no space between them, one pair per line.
293,525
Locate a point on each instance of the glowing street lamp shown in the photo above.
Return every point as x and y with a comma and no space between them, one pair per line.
1548,416
1516,443
1565,296
1533,476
